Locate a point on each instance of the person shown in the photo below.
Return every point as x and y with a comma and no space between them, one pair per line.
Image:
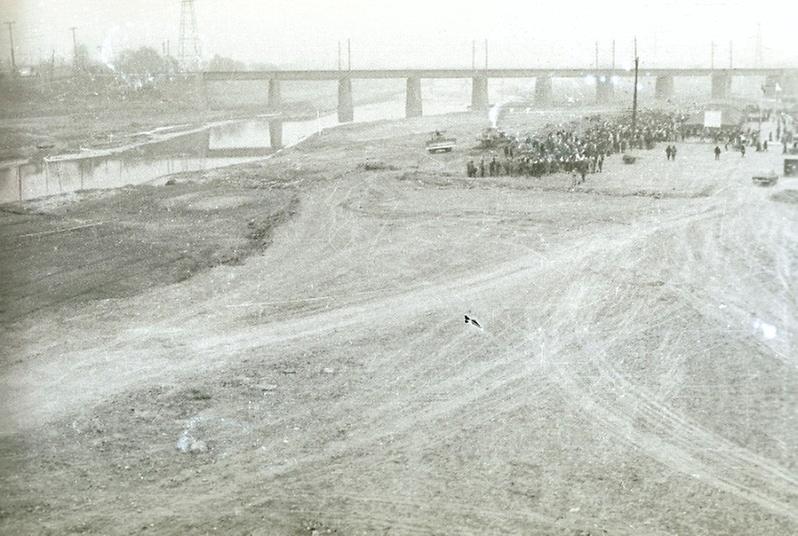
482,167
742,150
471,169
673,152
717,152
765,146
668,152
600,163
582,166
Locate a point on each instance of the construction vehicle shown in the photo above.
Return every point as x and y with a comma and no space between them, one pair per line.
439,143
765,179
493,138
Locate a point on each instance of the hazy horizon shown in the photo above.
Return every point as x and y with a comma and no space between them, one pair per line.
412,33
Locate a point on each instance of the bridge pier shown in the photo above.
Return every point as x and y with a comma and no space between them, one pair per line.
346,110
605,90
275,98
721,85
543,90
276,134
202,92
663,89
773,83
413,101
479,94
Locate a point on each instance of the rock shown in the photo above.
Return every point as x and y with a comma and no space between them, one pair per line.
188,444
198,447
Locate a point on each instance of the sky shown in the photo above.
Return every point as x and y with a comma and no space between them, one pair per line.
417,33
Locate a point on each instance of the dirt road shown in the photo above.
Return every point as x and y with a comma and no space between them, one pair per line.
635,372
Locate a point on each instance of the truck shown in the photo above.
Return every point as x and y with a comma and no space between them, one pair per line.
439,143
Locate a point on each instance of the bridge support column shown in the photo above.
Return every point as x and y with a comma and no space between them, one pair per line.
346,110
202,92
275,99
663,90
413,102
276,134
479,94
773,83
789,84
543,90
605,90
721,85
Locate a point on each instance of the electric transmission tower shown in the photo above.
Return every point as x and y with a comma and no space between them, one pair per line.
188,54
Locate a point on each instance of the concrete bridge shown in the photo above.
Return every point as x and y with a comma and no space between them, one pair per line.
721,82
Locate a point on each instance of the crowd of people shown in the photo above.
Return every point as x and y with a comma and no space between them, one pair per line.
578,148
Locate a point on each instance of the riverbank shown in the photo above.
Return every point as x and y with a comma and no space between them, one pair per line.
34,126
279,347
40,136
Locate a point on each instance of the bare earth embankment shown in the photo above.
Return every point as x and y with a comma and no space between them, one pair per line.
279,348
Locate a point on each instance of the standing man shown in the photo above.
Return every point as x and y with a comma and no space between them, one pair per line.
668,152
673,152
717,152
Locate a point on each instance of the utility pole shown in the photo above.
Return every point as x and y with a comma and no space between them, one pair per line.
339,54
10,25
634,98
486,55
613,55
653,60
349,54
712,55
731,55
473,54
595,62
74,49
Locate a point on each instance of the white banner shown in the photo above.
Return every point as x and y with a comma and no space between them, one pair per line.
713,119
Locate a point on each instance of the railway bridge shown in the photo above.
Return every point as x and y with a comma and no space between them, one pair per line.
604,79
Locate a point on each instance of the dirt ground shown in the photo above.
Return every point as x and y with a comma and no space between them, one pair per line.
279,348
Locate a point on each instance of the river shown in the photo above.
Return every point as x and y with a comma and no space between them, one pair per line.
211,147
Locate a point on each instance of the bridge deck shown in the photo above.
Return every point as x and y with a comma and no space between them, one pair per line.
470,73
